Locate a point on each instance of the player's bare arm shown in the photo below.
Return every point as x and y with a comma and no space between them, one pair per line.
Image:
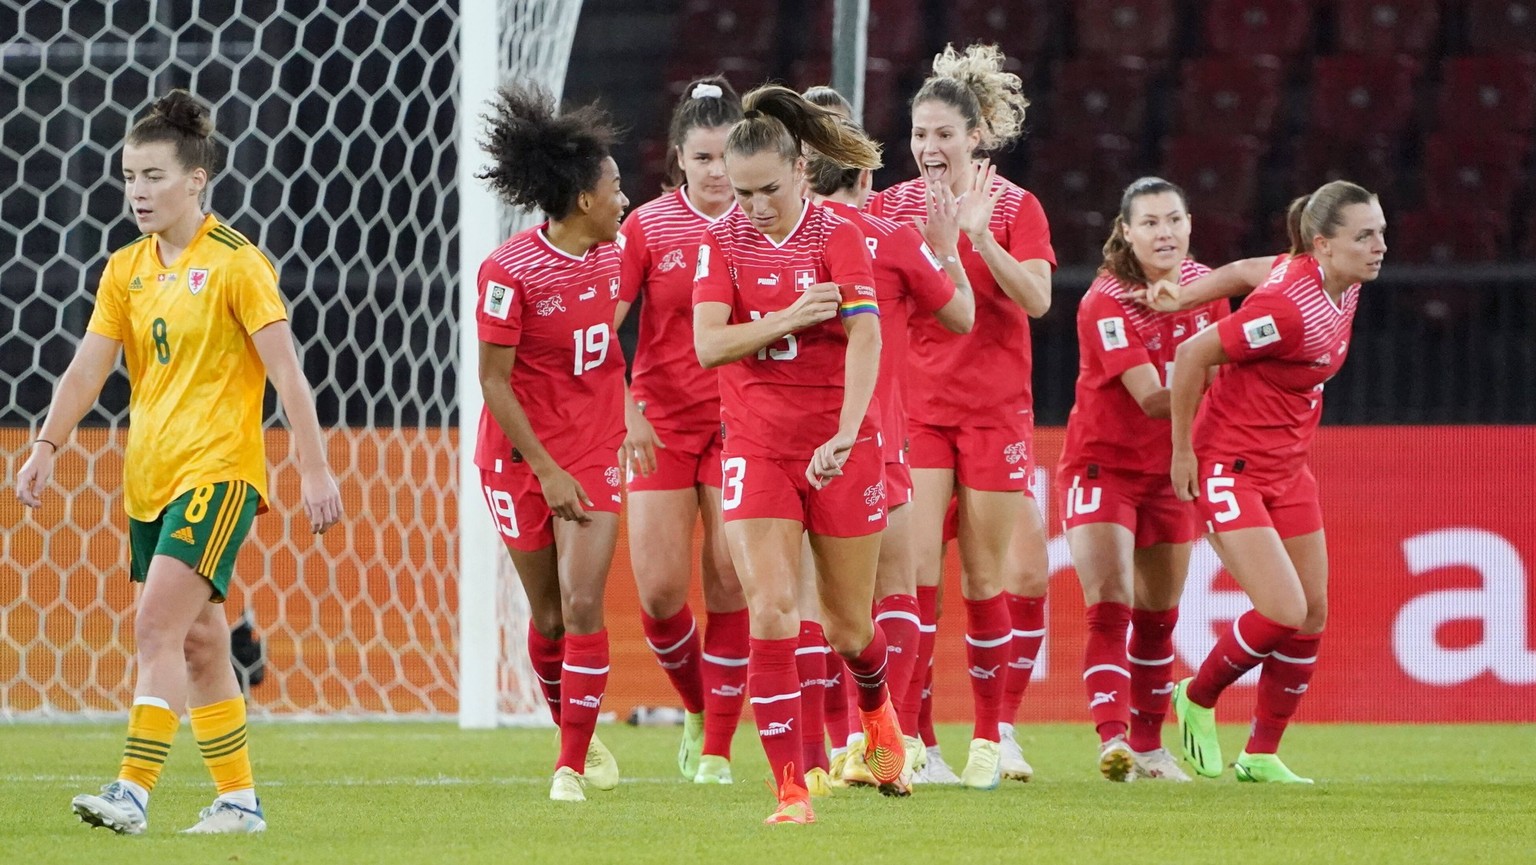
564,494
1192,362
718,342
861,367
322,499
77,391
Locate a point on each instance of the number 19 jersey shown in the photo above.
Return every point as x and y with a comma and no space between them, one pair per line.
557,310
784,401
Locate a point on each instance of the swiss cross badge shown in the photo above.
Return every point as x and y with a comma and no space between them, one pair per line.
804,279
196,279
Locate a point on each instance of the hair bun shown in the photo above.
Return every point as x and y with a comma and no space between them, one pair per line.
185,112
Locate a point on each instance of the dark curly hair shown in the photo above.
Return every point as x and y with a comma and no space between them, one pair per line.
542,159
183,121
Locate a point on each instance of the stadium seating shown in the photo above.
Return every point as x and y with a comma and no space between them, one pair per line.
1355,96
1229,95
1464,234
1371,161
1019,27
1501,26
1093,95
1073,173
1279,27
1386,27
1220,173
895,29
1216,239
1117,28
1462,168
1077,236
727,28
1492,93
884,110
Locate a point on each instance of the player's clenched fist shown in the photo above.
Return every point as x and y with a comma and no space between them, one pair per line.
817,304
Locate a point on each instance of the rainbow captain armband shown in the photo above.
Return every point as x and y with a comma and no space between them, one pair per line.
854,307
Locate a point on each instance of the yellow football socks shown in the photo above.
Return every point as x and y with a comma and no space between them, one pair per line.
220,732
150,731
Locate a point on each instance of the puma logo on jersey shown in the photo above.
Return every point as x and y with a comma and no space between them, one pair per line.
772,280
184,534
196,279
778,728
590,293
980,672
590,701
671,261
550,305
729,690
1102,697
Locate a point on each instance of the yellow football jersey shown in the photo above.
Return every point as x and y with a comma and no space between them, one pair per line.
196,382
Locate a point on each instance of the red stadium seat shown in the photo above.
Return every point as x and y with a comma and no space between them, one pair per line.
1358,96
1370,161
1018,27
884,112
1230,94
895,29
744,73
1077,173
738,28
1462,168
1109,28
1078,236
1501,26
1388,27
1465,234
1095,95
1494,93
1279,27
1220,173
1217,239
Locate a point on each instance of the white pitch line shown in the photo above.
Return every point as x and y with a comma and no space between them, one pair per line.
439,781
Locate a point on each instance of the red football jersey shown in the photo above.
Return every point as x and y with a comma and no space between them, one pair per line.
784,401
908,278
1116,334
557,310
1287,339
660,249
967,379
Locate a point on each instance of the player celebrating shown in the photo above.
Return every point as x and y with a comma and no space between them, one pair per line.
909,277
785,306
970,409
1244,463
195,308
673,445
1129,534
554,403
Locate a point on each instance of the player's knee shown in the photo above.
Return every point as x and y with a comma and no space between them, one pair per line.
1317,616
584,611
549,623
664,602
1099,587
850,638
774,615
1286,612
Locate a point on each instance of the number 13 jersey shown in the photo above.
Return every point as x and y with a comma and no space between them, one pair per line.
557,310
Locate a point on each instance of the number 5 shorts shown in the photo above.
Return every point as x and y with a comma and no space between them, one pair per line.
203,527
1233,496
1143,503
516,500
851,506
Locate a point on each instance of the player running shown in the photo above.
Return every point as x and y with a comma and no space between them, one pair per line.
970,411
1243,461
785,307
672,450
1128,533
195,308
553,422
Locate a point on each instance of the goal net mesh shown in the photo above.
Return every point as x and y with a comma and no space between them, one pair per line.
340,123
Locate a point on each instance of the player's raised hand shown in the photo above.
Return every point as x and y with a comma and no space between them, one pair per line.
322,499
565,496
638,452
941,229
975,208
1186,475
1162,295
33,478
827,462
816,304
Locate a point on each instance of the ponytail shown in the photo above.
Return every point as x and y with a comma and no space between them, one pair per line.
1321,213
779,119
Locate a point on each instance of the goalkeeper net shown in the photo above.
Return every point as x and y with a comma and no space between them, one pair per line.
346,164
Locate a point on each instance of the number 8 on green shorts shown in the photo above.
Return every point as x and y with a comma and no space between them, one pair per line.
203,527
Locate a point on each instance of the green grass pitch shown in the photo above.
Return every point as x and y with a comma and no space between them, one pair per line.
422,793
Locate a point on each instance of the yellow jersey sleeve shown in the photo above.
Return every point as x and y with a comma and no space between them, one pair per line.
251,290
109,318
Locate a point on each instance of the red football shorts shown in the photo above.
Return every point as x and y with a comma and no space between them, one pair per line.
851,506
1233,497
517,504
690,458
1143,503
898,484
996,458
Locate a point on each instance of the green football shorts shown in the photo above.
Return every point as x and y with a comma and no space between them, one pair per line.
203,527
